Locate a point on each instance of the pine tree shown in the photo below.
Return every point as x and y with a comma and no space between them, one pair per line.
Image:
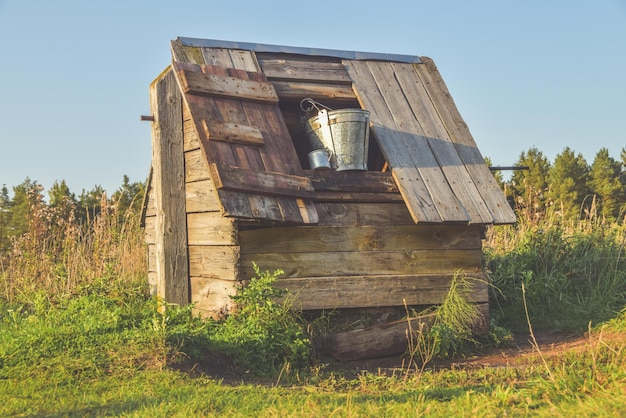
62,201
128,197
606,183
5,218
27,199
568,180
529,186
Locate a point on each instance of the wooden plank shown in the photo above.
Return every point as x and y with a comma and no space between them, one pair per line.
236,133
297,90
196,167
193,82
402,119
169,185
393,146
362,214
262,182
340,292
287,68
323,196
428,123
276,155
201,196
383,340
211,228
324,264
214,261
491,193
212,297
149,231
365,238
353,181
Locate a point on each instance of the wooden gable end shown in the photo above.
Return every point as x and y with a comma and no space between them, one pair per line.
433,158
244,139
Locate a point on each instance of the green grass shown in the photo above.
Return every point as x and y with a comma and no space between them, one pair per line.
87,339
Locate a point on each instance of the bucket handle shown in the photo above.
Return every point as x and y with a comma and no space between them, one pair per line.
312,104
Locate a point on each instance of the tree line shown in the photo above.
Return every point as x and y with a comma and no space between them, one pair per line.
28,210
569,187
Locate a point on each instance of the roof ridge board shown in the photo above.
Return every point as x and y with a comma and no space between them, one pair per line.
248,46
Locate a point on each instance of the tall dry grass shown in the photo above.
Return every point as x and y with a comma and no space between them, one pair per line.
572,271
60,255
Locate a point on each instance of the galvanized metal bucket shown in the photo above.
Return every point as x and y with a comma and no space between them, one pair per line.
344,133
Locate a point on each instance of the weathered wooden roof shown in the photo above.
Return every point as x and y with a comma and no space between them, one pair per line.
233,91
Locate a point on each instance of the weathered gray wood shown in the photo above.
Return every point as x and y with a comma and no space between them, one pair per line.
169,186
491,193
337,292
297,90
229,87
397,115
359,214
388,339
353,181
196,167
236,133
263,182
149,232
214,261
381,340
281,68
201,196
393,146
211,228
321,264
365,238
212,297
427,122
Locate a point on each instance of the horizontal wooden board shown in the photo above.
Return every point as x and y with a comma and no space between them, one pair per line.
282,68
201,196
383,340
236,133
360,214
196,167
353,181
211,228
296,91
199,83
262,182
324,264
219,262
338,292
365,238
324,196
212,297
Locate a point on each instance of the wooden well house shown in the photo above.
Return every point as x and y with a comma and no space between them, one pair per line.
231,182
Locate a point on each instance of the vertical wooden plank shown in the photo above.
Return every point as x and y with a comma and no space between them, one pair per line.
169,186
464,142
428,123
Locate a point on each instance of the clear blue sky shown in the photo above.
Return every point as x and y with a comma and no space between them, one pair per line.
74,75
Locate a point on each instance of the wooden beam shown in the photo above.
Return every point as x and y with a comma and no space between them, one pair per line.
230,87
236,133
169,186
261,182
297,90
339,292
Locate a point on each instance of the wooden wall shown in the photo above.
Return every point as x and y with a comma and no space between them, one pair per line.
366,255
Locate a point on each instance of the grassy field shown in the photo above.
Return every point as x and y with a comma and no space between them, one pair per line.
80,335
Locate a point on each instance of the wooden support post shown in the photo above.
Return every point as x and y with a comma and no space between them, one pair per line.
169,185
